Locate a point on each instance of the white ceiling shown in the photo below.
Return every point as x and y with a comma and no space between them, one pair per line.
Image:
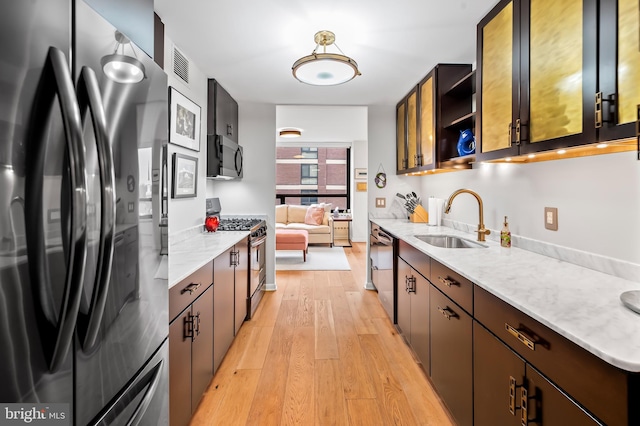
250,45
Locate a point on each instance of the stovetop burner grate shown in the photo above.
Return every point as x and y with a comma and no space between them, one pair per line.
238,224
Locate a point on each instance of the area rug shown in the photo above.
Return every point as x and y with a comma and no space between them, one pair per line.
319,258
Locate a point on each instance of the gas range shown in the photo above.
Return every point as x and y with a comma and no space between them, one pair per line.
257,227
238,224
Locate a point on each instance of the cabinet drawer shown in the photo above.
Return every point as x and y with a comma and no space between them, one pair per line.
186,291
598,386
454,285
414,257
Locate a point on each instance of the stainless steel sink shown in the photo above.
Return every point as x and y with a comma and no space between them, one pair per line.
449,241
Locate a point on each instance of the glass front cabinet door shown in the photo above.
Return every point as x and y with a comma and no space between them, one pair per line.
619,69
407,132
537,62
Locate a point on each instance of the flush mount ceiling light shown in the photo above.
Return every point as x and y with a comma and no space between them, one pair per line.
290,133
325,69
121,67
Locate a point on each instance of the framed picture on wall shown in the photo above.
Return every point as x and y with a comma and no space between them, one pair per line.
184,121
185,176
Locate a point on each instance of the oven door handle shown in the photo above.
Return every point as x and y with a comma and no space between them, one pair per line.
258,242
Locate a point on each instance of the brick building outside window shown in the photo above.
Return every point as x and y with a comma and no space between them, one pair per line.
312,175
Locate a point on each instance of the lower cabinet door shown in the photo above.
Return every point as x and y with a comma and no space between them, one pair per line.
241,283
549,406
452,356
223,306
420,320
179,371
202,346
404,299
498,378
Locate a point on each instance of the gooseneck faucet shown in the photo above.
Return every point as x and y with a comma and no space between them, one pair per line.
481,229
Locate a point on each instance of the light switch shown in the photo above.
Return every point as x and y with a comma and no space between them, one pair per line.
381,202
551,218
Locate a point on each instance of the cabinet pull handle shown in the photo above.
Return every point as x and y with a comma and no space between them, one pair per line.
521,336
512,395
233,258
412,284
197,324
447,312
524,404
599,113
598,110
190,288
448,281
189,327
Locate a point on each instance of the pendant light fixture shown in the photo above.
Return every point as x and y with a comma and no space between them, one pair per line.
325,69
290,133
121,67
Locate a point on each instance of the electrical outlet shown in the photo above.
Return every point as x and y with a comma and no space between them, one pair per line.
381,202
131,207
551,218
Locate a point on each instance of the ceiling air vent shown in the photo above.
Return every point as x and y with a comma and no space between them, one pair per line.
180,65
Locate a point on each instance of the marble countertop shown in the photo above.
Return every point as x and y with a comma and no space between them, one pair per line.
191,254
581,304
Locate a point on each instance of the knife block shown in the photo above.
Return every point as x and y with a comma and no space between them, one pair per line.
419,215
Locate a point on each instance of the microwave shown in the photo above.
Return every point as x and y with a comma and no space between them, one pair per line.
224,158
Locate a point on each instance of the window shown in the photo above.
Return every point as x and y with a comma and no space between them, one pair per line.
309,152
306,175
305,201
309,174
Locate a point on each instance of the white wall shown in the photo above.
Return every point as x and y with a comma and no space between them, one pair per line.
188,212
598,198
598,201
254,194
359,224
382,156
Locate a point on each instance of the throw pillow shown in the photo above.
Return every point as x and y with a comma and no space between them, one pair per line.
325,206
314,216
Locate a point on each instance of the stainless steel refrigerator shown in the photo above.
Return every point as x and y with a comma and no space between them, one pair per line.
83,283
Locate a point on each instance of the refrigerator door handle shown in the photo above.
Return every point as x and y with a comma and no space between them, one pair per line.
111,412
89,98
56,333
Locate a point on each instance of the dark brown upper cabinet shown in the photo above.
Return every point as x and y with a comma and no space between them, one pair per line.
222,112
431,116
536,74
619,68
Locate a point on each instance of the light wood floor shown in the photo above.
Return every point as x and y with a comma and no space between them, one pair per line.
320,351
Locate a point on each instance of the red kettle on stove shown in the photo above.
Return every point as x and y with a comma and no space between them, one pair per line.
211,223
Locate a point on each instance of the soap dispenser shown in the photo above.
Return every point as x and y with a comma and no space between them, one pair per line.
505,235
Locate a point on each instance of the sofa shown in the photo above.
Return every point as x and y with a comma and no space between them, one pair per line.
291,216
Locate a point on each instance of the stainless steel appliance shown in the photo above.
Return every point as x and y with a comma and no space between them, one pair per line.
83,287
224,158
382,251
257,258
